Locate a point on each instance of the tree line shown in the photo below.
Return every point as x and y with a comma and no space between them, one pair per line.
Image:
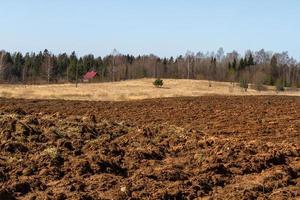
260,67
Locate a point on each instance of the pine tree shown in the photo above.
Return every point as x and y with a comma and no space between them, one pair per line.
16,70
234,64
7,66
250,61
72,67
229,65
242,64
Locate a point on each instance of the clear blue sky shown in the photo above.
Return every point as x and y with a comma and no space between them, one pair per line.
161,27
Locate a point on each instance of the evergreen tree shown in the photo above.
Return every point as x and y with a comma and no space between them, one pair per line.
7,66
250,61
165,68
242,64
62,65
16,70
234,64
7,60
26,68
72,67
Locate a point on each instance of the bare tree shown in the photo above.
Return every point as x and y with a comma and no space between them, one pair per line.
220,54
189,55
114,54
2,53
47,64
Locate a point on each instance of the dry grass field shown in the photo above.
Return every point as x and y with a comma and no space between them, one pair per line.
129,90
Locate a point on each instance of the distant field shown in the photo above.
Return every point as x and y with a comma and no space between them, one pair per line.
129,90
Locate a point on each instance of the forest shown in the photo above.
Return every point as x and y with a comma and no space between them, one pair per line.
259,67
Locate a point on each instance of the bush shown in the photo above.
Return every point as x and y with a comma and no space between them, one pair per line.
258,81
279,86
158,83
244,84
259,87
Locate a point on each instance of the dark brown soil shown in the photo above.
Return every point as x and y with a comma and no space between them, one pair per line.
178,148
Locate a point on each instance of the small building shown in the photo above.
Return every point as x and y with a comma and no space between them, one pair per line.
89,76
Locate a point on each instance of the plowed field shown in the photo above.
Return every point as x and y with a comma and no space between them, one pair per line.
211,147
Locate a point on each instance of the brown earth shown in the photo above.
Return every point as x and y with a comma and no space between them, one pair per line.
211,147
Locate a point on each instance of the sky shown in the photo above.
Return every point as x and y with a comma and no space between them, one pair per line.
161,27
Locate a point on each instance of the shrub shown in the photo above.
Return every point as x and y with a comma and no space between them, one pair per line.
158,83
244,84
259,87
279,86
258,81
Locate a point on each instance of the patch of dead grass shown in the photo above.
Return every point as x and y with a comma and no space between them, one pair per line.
129,90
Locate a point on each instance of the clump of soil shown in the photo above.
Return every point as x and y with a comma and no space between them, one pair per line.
184,148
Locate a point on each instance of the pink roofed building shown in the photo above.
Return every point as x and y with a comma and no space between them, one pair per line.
89,76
